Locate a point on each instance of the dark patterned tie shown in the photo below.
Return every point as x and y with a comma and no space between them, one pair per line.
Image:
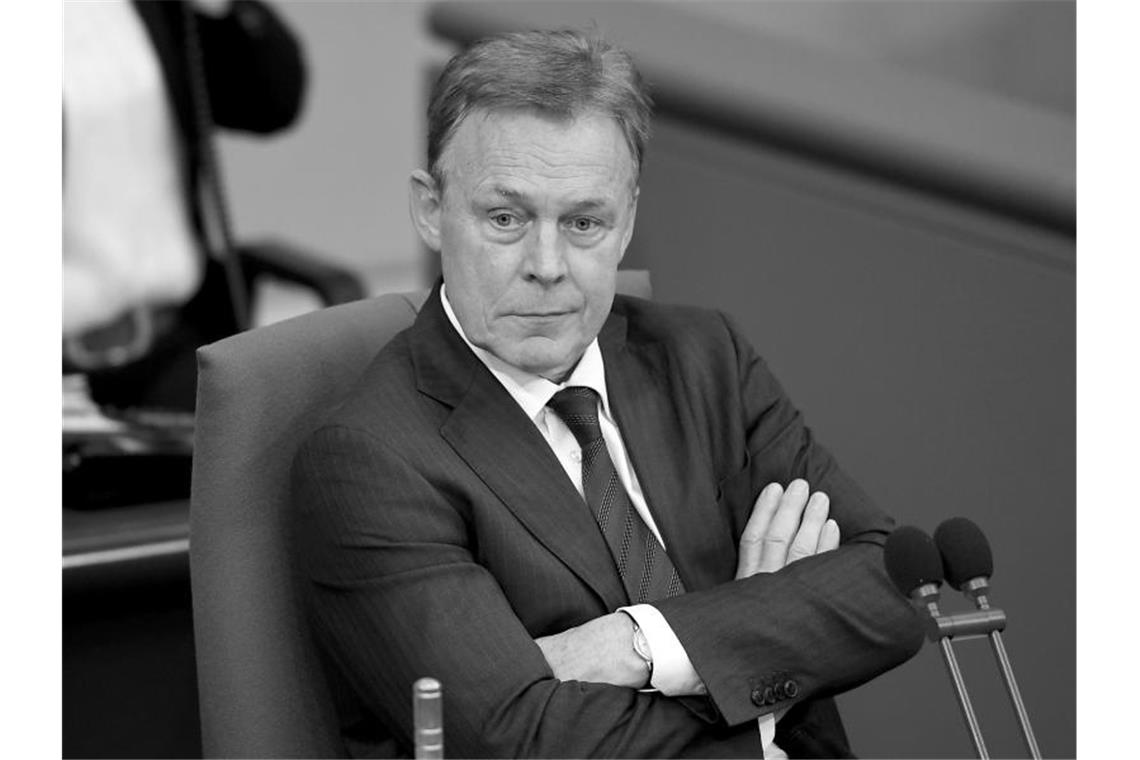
645,569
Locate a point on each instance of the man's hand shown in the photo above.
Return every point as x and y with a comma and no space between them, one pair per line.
785,526
600,650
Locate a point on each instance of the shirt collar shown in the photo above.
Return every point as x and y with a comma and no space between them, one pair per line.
530,391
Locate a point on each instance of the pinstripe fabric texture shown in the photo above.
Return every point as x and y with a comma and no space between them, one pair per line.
645,569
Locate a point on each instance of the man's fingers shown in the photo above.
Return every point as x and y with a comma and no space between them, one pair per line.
783,527
751,542
762,512
829,537
811,527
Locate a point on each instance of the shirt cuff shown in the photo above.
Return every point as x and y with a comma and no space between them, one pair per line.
673,673
767,724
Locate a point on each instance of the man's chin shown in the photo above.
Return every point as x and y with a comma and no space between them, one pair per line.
552,360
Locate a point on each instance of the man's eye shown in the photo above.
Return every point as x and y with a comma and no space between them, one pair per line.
504,220
584,224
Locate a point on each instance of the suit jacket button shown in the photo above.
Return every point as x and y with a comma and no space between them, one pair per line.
791,688
780,692
769,696
758,697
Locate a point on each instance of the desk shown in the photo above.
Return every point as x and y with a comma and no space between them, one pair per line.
115,544
129,674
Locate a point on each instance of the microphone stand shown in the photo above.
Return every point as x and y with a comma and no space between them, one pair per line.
926,596
963,698
976,590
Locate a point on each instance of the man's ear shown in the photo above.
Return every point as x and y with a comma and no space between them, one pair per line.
425,202
628,235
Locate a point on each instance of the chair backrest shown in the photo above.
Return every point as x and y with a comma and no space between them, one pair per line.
261,690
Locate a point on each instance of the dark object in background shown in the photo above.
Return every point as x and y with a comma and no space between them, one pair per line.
128,678
114,479
144,458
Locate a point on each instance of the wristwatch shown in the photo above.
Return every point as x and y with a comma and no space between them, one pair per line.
641,647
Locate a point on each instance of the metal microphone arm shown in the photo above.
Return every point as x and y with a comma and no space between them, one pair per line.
926,596
977,589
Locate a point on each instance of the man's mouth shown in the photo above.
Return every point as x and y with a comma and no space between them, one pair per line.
542,314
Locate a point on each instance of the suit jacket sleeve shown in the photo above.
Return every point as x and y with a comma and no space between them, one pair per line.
396,594
821,625
254,68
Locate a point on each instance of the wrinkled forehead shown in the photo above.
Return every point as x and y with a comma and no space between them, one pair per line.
490,146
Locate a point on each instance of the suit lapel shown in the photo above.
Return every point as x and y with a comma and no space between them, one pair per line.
670,472
484,425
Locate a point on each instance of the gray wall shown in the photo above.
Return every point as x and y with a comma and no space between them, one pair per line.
1023,50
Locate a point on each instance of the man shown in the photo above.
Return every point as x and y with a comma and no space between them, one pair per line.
587,515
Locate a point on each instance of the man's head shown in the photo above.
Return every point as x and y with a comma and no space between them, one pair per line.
535,147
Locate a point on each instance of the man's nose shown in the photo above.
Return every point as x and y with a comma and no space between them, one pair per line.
545,258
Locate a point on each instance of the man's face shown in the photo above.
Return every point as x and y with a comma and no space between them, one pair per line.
535,216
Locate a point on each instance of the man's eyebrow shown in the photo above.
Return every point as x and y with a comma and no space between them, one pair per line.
506,192
591,204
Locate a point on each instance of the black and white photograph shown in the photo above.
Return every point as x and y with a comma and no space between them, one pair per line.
569,378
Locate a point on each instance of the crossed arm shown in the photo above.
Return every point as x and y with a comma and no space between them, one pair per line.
397,592
785,525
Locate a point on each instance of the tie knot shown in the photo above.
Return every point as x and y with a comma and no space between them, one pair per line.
577,406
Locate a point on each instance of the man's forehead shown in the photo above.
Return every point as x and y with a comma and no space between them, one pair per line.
496,149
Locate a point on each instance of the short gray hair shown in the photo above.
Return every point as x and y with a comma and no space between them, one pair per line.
563,74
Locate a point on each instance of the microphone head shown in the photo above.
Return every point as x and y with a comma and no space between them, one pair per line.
912,559
965,551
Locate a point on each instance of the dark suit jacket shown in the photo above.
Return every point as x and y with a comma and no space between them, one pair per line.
440,536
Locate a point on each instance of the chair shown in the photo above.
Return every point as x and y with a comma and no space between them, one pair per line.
261,689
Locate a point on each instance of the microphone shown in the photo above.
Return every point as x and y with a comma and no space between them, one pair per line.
915,567
913,563
968,565
967,561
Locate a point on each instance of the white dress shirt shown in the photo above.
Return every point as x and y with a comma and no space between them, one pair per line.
673,672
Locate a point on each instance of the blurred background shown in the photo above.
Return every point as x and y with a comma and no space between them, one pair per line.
881,193
335,181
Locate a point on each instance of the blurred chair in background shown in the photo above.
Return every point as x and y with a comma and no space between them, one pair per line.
262,692
150,268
